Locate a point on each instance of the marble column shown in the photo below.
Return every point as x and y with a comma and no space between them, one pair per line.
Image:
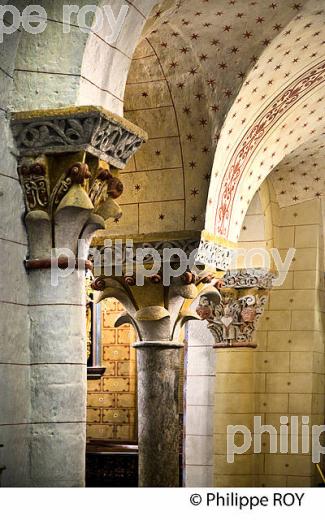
65,170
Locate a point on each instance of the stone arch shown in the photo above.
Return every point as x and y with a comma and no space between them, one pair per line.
249,151
57,68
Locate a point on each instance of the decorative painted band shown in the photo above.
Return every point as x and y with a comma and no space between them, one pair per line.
215,252
263,124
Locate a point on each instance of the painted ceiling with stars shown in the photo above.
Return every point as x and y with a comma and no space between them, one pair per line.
196,83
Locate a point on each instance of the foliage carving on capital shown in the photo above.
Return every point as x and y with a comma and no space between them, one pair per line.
92,129
67,161
154,310
233,311
67,204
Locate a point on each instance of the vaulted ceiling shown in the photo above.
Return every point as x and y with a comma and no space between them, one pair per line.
202,73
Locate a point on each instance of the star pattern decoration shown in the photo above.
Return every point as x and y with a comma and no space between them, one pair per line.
271,75
301,134
300,176
184,82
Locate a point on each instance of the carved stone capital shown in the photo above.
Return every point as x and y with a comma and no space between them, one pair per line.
154,310
66,198
248,278
119,251
67,169
233,311
68,130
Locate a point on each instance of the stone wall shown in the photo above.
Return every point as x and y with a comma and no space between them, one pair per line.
284,376
198,405
14,323
57,68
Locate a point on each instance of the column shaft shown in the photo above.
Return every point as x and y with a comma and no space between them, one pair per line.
158,420
58,380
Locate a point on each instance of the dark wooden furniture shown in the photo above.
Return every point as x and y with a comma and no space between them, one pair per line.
113,464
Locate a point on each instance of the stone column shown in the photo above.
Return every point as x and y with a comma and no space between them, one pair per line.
65,170
57,380
158,419
155,311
